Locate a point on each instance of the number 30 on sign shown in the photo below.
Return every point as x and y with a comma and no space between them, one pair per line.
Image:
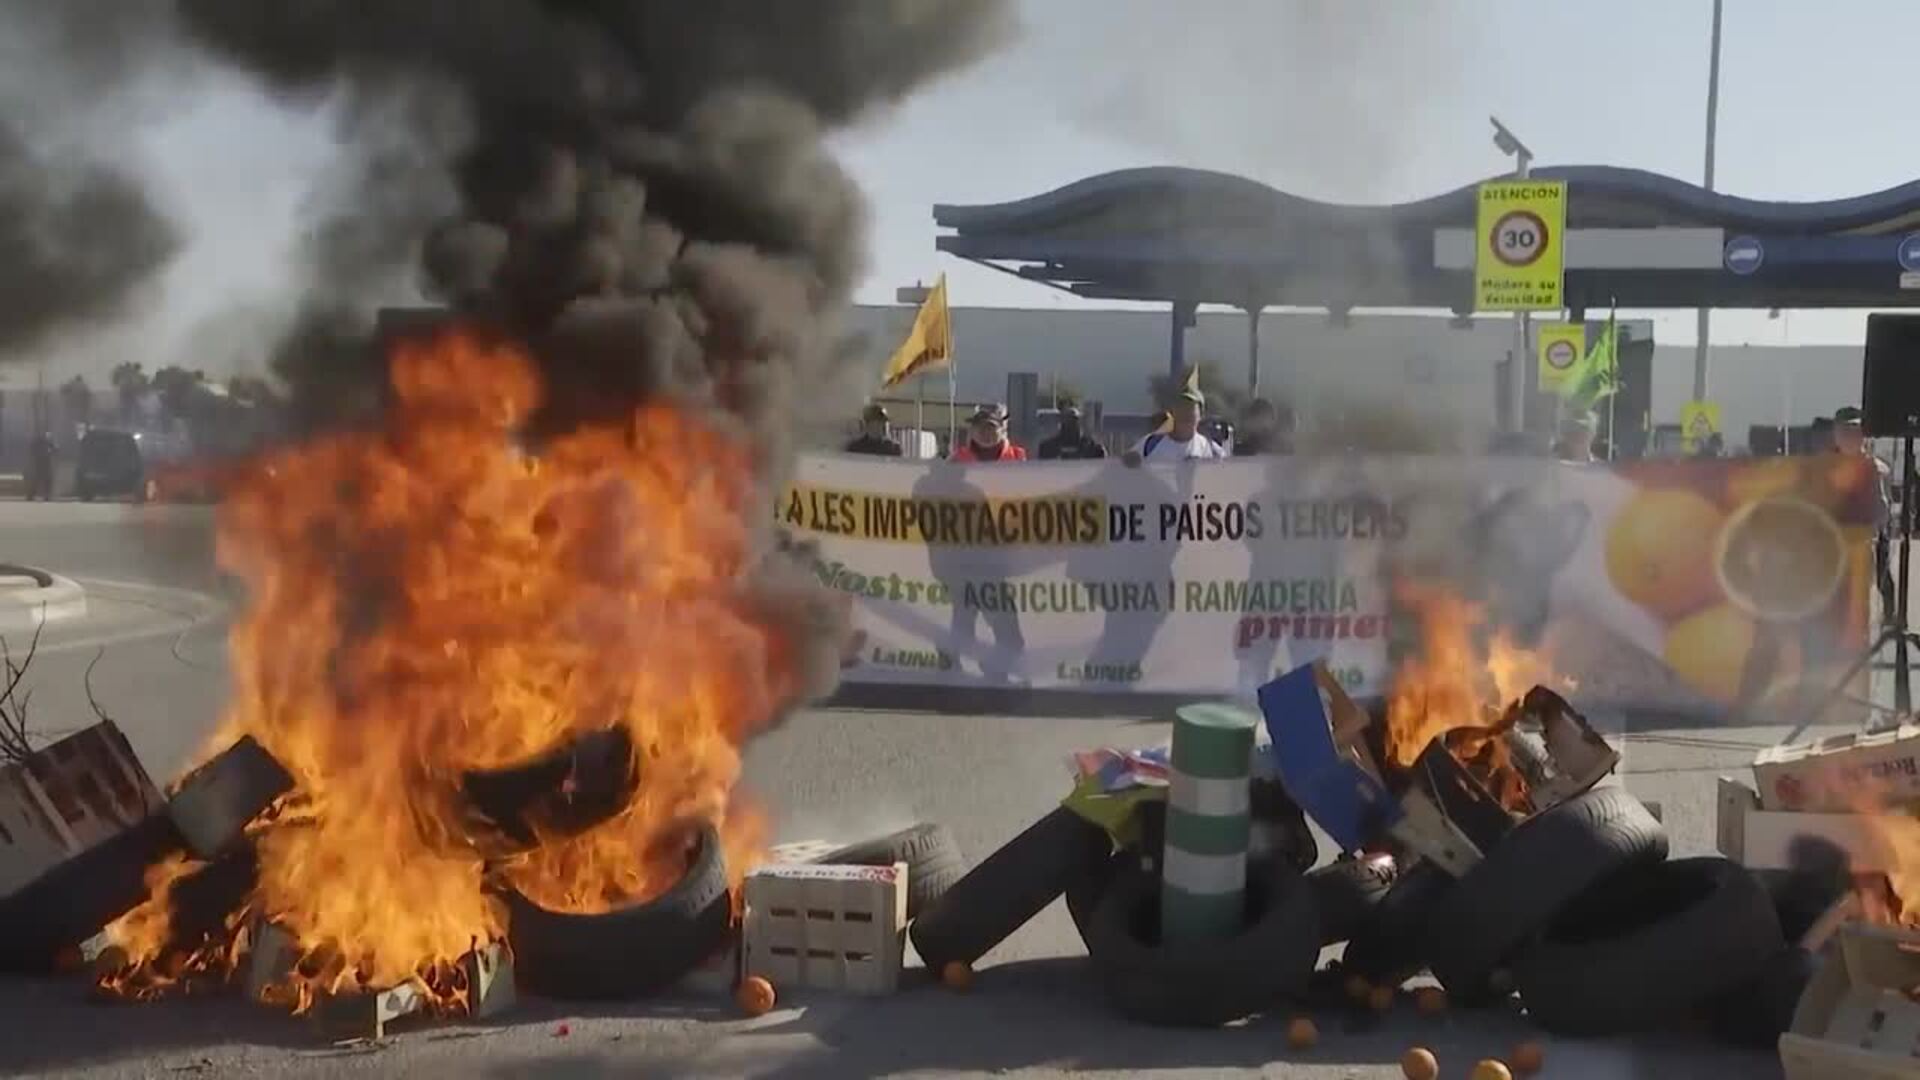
1519,262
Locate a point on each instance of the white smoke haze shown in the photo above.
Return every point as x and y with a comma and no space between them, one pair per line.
1332,99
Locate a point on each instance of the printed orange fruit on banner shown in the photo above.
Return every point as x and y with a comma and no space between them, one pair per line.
1659,551
1780,559
1708,651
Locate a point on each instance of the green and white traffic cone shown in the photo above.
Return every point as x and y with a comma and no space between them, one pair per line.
1204,868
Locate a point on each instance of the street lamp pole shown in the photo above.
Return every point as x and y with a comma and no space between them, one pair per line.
1511,145
1703,328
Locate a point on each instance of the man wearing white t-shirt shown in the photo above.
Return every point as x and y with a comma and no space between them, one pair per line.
1184,442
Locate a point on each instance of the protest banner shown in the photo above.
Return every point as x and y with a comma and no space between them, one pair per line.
1696,583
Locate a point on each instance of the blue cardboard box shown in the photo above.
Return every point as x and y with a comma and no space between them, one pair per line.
1316,732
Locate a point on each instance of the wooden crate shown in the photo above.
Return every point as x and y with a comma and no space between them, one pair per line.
840,928
68,797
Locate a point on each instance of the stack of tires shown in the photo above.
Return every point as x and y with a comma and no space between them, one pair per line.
1580,910
1113,898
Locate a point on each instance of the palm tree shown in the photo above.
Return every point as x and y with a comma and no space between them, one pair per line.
131,383
177,388
76,397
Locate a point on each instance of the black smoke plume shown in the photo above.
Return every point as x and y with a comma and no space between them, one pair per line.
643,185
78,233
640,189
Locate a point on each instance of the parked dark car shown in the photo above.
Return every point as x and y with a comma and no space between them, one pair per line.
110,463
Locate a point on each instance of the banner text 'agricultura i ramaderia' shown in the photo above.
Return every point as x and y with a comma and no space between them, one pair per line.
1663,583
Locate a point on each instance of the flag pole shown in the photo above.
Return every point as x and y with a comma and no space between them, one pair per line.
1613,378
919,411
952,387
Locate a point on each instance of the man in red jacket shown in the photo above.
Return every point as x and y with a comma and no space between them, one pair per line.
987,438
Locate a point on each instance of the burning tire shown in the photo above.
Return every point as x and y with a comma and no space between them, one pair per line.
630,952
1008,888
932,856
1387,947
1647,946
1204,984
1349,892
562,792
1533,873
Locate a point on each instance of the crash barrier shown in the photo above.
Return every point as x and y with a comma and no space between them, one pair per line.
1675,585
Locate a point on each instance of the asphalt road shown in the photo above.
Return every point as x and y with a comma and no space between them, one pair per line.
157,625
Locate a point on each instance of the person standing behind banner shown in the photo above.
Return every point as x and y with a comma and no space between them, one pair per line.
987,438
1264,429
874,438
1575,444
1849,437
1820,435
1070,443
1183,441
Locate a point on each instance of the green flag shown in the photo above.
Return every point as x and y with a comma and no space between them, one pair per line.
1597,375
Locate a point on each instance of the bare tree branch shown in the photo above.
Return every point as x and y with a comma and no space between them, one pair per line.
16,743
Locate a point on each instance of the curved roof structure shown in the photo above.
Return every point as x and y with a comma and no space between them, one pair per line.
1188,235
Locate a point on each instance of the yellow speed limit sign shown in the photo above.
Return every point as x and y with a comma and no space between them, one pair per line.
1519,263
1560,346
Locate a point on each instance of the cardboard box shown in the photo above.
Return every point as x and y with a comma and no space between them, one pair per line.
1834,774
1762,839
1318,736
1855,1020
821,927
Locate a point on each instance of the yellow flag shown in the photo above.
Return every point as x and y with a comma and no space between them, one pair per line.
929,345
1190,385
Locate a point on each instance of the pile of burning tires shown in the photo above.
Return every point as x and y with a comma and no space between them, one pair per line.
1578,911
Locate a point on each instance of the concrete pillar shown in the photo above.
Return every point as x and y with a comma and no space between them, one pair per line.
1183,317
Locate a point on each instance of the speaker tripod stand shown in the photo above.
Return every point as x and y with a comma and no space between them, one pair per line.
1893,631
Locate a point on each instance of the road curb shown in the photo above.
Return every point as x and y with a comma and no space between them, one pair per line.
53,599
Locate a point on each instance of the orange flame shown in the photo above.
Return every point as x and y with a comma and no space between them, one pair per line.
1889,895
1456,684
431,599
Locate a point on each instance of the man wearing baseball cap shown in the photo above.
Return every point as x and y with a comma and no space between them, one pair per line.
874,438
1183,440
987,438
1071,442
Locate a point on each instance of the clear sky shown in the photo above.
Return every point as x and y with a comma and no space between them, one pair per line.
1350,100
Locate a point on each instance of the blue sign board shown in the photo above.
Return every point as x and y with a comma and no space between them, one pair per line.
1744,255
1909,253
